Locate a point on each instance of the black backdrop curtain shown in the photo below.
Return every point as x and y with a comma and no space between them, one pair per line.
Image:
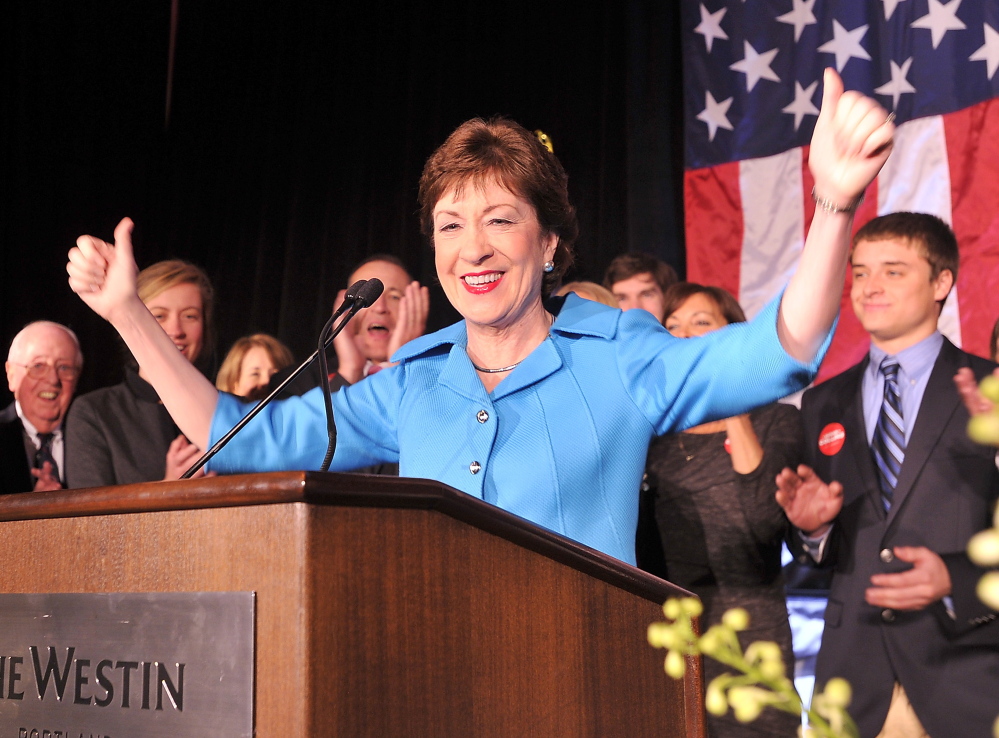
295,139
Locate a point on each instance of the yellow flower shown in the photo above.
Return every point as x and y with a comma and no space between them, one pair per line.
746,703
989,387
984,429
988,589
714,699
737,619
692,606
675,665
983,548
837,692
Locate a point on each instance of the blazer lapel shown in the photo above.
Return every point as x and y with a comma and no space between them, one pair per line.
940,400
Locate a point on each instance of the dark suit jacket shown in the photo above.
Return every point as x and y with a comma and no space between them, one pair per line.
15,474
945,494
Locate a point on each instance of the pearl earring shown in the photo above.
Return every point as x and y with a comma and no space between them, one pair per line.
549,266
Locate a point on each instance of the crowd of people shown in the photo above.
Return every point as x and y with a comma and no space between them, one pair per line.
639,417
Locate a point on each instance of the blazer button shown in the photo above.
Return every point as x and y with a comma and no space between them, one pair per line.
888,615
474,467
482,416
887,555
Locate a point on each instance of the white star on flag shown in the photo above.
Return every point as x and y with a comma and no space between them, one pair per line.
756,66
801,15
846,45
898,84
989,52
714,114
710,26
890,6
802,104
939,19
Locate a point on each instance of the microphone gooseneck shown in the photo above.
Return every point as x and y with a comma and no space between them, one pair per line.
366,296
362,291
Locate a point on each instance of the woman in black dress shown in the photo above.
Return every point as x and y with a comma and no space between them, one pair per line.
710,490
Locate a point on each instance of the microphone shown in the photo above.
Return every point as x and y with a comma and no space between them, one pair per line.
349,297
359,295
351,293
369,292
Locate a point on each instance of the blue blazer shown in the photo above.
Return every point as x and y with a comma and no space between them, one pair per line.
560,441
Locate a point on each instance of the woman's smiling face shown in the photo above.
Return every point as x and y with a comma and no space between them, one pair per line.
490,252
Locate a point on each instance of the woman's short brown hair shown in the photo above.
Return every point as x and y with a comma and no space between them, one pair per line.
501,149
682,291
161,276
228,376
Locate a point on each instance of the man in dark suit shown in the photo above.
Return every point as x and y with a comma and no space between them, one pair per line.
43,365
893,491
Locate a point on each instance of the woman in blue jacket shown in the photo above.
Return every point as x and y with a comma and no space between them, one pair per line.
543,407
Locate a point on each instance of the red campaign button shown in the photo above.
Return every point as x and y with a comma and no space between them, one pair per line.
831,439
728,445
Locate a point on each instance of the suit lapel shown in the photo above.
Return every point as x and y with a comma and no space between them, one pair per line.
939,402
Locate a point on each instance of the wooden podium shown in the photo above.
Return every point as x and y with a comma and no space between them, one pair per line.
385,606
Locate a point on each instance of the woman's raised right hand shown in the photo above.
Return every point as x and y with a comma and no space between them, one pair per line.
103,274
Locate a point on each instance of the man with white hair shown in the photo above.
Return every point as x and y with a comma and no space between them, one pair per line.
43,366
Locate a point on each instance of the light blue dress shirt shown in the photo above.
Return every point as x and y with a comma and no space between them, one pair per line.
561,441
915,364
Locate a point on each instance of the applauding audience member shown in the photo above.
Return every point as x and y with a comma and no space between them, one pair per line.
710,492
123,434
42,368
396,318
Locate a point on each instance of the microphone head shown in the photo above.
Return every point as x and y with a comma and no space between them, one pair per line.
369,292
352,291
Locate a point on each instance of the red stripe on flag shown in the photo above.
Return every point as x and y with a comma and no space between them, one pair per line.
714,225
972,138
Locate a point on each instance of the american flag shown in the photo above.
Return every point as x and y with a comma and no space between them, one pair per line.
753,84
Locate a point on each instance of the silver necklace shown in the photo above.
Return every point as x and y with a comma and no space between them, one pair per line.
502,369
497,371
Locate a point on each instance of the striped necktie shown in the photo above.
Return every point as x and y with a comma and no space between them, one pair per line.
888,444
44,453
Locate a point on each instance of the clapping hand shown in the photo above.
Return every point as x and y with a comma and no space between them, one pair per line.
180,455
809,503
45,479
412,319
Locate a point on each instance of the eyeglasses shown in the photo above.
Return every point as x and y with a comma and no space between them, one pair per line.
40,370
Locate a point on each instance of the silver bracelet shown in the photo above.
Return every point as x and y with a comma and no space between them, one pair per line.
828,206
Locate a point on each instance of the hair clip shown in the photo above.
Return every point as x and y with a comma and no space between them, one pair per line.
545,141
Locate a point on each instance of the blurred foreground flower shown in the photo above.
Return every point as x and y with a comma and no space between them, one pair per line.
983,548
758,680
